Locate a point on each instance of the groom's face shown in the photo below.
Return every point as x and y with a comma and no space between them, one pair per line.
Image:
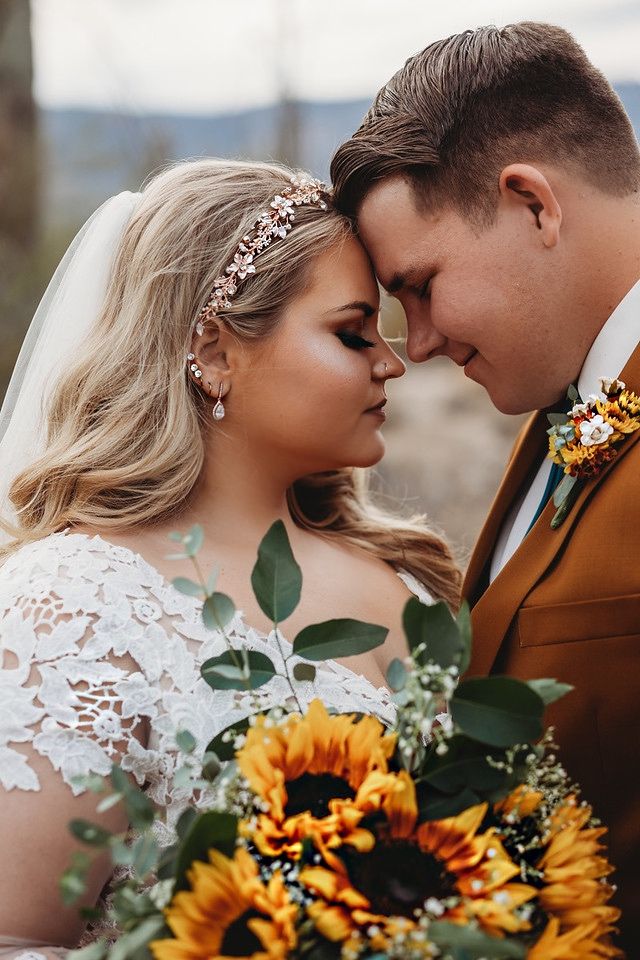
489,299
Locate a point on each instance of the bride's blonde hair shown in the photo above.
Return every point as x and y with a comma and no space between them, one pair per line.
126,426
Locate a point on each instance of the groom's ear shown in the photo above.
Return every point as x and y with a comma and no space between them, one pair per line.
527,187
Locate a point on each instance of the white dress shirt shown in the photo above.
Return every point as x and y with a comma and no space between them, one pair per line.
607,357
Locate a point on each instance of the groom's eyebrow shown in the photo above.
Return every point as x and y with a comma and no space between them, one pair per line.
411,277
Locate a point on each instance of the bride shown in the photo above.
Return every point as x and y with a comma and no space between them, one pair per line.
207,353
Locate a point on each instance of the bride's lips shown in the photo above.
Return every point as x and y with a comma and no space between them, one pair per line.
467,360
378,409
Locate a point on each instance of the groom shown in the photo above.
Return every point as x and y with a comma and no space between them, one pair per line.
495,182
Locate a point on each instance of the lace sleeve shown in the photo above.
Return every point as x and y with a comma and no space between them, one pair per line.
71,689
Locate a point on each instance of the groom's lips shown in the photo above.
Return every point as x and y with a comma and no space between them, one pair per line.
465,360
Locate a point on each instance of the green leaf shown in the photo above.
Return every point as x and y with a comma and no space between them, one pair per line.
208,830
121,853
557,419
213,579
338,638
130,943
304,671
572,393
210,766
396,674
435,627
193,540
465,630
90,833
94,951
72,885
549,690
218,611
276,577
111,801
434,805
217,674
189,587
139,808
224,749
465,764
145,854
473,943
90,781
563,489
499,711
176,536
186,741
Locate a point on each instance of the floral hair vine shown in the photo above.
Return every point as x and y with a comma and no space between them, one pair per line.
272,224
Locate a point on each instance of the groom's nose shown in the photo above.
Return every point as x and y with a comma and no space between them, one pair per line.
423,340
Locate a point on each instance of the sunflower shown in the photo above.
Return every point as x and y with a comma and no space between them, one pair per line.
386,885
520,803
575,891
317,776
229,912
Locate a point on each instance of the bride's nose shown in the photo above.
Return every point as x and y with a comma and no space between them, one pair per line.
390,368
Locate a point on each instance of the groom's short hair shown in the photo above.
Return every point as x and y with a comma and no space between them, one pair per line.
461,110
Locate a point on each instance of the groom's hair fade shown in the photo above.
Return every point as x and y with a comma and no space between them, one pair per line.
464,108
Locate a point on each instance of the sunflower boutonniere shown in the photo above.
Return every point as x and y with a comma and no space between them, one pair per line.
586,438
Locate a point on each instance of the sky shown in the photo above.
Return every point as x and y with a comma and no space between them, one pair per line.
218,56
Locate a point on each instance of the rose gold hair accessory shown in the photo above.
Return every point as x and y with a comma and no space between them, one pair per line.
272,224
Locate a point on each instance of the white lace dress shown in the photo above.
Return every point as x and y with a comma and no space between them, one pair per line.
70,606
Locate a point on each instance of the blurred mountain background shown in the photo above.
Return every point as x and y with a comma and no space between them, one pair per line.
446,444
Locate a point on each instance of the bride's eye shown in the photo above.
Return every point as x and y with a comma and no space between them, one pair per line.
354,341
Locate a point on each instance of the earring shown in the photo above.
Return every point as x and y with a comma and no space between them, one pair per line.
195,369
218,411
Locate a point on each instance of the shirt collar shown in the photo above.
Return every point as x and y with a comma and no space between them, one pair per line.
614,344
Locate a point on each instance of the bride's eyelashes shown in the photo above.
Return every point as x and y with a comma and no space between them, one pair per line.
354,341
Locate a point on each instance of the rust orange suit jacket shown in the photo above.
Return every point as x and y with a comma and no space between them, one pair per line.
567,605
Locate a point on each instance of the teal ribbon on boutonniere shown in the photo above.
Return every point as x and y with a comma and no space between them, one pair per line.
584,440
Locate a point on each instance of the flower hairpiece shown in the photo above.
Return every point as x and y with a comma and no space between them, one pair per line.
272,224
586,439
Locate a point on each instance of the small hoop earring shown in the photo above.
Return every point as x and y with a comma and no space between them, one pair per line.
218,411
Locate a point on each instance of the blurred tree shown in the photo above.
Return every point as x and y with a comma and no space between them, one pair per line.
19,186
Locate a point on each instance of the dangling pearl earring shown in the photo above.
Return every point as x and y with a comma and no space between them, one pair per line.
218,411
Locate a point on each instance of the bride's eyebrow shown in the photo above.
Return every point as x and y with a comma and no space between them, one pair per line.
360,305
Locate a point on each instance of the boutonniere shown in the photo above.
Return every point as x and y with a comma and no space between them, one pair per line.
586,438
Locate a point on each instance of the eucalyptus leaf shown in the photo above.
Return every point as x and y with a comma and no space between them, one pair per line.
224,749
338,638
72,885
210,766
193,540
304,671
433,805
212,580
549,689
90,781
218,610
474,943
396,674
189,587
276,577
90,833
109,802
145,854
176,536
572,393
217,674
186,741
208,830
129,943
138,806
93,951
557,419
121,853
499,711
435,627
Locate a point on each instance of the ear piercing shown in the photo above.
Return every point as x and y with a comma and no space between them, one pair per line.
195,369
218,411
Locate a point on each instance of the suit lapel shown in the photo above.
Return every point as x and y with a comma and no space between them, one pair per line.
495,609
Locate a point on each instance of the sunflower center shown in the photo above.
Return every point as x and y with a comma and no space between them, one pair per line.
313,791
396,877
238,940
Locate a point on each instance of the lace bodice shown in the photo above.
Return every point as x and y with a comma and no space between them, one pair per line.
95,646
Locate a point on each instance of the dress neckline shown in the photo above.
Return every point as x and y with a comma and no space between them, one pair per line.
412,584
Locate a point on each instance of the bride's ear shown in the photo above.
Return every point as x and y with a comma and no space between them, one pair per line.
528,188
214,351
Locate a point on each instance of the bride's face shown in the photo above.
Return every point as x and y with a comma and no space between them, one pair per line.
310,393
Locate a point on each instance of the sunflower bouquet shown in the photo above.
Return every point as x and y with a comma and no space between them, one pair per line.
327,836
